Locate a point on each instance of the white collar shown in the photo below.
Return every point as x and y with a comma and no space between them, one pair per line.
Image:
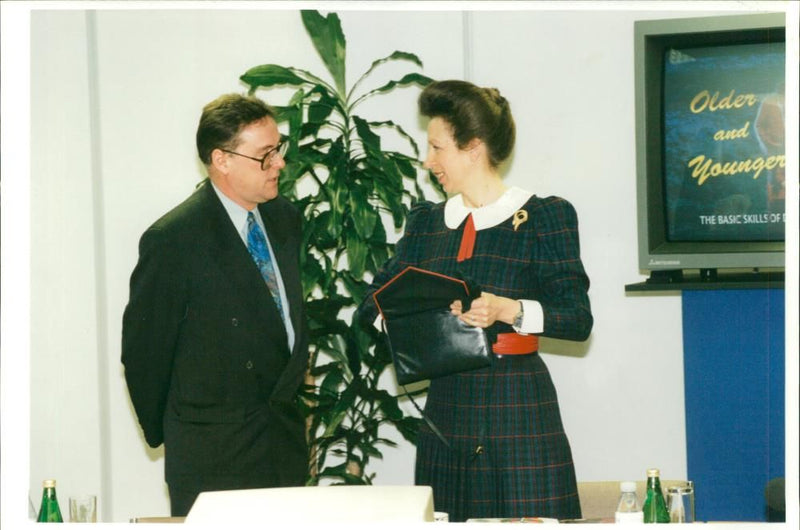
486,216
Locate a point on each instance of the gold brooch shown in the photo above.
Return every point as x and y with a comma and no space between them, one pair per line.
520,216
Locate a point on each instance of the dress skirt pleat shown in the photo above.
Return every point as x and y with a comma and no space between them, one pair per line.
524,467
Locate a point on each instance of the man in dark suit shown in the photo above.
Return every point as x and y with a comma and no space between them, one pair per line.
214,336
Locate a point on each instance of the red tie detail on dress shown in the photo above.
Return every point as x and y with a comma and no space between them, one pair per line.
467,240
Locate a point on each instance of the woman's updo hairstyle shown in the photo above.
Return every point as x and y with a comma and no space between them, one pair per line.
472,112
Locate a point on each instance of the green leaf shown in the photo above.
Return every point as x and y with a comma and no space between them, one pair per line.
335,421
267,75
379,251
372,451
327,309
408,79
389,406
397,55
337,349
391,192
326,34
318,111
354,354
336,187
409,428
372,142
386,441
297,100
330,385
405,165
283,114
362,214
310,152
323,239
324,369
325,98
312,273
295,119
401,132
295,170
356,253
357,288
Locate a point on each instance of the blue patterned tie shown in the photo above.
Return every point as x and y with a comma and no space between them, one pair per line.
257,246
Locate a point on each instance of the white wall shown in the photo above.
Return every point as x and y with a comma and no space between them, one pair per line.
115,99
65,387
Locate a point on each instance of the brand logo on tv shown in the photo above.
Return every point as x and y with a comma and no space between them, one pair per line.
664,262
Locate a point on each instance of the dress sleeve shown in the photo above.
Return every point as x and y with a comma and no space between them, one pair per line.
417,218
562,280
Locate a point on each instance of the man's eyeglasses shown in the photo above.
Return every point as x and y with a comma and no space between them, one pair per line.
268,158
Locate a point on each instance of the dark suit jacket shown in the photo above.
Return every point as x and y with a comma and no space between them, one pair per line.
206,358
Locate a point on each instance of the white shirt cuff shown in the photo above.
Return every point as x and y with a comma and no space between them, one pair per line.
532,318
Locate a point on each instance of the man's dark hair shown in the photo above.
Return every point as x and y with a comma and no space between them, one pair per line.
472,112
223,119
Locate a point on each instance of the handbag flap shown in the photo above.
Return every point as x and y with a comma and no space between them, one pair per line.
416,290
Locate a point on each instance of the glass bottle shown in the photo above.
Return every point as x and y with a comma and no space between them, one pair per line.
655,509
628,508
49,512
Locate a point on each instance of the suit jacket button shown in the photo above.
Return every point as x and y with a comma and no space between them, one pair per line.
249,365
235,322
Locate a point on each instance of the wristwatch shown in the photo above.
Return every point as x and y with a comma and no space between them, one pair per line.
518,318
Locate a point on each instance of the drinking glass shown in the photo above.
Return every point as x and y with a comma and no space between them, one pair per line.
83,509
680,503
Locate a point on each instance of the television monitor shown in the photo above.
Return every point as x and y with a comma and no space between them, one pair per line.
710,158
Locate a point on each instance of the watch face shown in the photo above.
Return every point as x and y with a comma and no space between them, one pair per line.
518,320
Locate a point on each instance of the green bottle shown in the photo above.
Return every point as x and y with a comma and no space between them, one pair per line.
49,512
655,509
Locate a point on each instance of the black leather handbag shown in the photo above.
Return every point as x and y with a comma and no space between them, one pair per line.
425,338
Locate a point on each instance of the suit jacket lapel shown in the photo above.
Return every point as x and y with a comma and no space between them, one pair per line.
236,264
285,253
285,256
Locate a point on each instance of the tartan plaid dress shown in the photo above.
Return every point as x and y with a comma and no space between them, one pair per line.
510,408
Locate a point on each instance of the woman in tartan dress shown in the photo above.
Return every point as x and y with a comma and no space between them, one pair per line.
507,454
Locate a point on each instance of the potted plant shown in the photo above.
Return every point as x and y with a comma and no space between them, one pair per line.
337,155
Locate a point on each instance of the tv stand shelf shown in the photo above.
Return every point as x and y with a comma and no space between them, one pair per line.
707,279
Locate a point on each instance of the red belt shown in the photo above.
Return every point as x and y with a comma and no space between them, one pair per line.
515,344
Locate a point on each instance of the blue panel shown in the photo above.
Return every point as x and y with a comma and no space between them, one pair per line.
734,384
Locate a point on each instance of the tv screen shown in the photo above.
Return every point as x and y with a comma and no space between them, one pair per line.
724,156
710,157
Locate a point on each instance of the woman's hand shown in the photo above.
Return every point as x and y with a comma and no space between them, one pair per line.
486,310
